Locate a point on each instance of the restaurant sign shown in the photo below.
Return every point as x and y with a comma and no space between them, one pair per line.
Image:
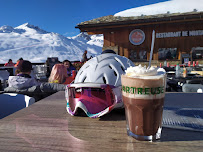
179,34
137,37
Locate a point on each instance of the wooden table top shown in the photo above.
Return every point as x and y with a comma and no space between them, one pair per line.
46,126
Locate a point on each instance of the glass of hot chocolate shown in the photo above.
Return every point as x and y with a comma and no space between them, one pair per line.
143,91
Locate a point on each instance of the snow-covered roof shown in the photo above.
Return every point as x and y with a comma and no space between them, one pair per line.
172,6
118,20
156,11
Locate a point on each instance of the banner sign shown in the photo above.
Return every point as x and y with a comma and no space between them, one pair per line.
179,34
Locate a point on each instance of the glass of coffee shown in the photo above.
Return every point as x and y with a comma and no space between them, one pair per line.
143,92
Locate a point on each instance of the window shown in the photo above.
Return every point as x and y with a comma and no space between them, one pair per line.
140,55
167,53
197,53
133,55
143,55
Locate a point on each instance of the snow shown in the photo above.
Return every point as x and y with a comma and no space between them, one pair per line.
173,6
35,44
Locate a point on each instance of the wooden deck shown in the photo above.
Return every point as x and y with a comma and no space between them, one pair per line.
46,126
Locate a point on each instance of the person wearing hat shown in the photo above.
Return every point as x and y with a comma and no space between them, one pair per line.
23,79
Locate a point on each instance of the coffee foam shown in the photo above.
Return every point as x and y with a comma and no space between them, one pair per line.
144,72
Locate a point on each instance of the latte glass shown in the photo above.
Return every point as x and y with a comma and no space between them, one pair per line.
143,98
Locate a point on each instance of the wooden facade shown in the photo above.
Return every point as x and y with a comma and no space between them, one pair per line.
178,35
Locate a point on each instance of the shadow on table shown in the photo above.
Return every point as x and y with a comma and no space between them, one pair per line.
169,134
115,115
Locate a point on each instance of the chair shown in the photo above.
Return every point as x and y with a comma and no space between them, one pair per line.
40,72
4,74
191,87
50,62
12,102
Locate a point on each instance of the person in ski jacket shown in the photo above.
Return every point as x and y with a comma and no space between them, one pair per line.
69,67
10,63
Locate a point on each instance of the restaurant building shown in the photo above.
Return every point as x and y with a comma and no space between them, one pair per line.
178,36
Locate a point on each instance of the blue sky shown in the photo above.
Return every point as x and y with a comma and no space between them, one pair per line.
61,16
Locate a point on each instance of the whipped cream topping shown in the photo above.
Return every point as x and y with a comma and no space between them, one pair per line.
143,71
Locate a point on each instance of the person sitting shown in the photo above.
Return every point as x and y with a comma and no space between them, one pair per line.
18,62
23,79
69,67
59,75
23,83
17,65
10,63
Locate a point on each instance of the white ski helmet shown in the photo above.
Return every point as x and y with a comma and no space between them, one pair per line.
104,69
97,86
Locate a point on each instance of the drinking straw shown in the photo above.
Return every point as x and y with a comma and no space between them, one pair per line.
152,48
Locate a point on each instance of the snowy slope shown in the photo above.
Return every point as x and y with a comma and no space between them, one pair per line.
171,6
34,44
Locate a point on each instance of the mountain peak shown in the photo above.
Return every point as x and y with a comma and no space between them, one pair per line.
82,35
24,25
30,26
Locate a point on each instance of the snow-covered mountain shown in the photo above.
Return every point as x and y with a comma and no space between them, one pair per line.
35,44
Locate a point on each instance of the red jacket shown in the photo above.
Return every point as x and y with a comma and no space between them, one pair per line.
70,78
9,64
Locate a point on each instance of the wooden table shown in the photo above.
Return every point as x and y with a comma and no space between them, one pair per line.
46,126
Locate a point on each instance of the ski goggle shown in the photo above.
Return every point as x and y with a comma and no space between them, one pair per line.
94,99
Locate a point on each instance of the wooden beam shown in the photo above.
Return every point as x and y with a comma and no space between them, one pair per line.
95,32
99,29
126,53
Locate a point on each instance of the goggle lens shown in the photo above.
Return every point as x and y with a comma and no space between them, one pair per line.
94,99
